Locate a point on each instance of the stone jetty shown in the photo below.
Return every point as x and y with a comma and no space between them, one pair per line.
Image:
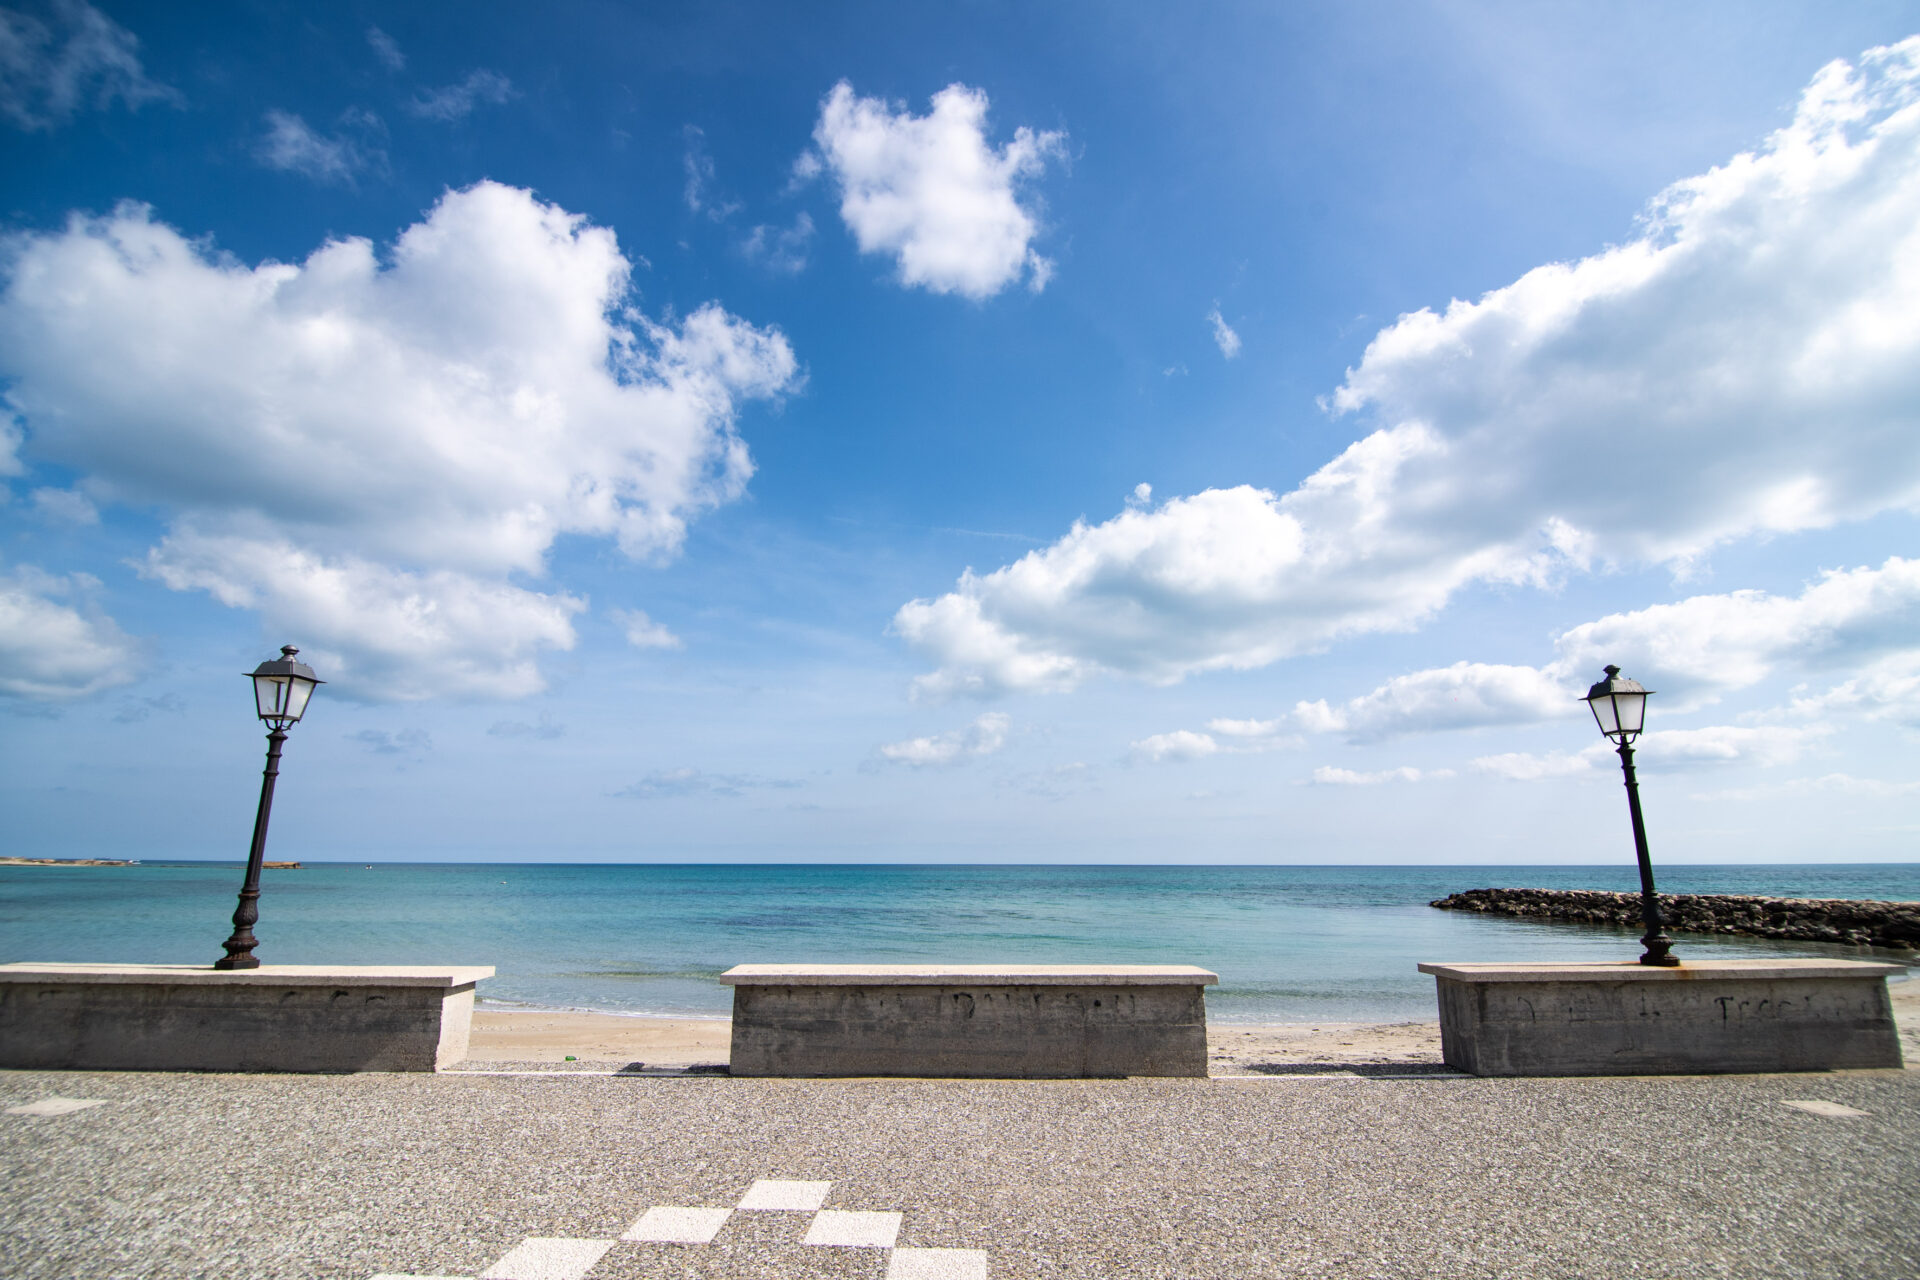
1843,920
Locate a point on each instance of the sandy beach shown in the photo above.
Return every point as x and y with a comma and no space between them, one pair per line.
512,1035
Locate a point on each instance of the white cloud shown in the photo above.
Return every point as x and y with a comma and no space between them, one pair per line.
456,101
1243,737
1246,728
1223,335
932,191
676,783
545,728
986,735
65,506
1523,766
1864,622
643,632
48,73
387,49
1748,363
54,640
292,145
778,249
1464,695
1328,775
700,174
1701,647
370,451
403,742
1665,751
1181,744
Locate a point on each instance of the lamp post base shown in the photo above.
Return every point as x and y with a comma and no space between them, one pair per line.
1658,951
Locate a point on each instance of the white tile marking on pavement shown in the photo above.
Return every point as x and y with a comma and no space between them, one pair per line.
548,1258
859,1230
671,1224
1822,1108
797,1197
937,1264
55,1106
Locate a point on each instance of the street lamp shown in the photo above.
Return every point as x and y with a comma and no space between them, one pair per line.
281,687
1620,707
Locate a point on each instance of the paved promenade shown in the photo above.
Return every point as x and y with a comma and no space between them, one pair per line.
539,1176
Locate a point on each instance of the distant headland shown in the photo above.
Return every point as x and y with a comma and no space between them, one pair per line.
68,862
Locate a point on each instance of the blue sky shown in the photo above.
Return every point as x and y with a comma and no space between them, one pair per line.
996,432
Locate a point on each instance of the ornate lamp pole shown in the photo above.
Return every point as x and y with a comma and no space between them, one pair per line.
1620,707
281,688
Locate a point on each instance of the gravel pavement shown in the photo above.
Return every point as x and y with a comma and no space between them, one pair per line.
1295,1174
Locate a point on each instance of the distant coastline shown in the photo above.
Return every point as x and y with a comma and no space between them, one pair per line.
69,862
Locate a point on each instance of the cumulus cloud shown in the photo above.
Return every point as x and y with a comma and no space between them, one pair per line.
378,452
1861,623
1748,362
932,192
1242,737
983,737
453,102
643,632
55,642
1329,776
1223,335
49,71
1464,695
1663,751
291,145
1181,744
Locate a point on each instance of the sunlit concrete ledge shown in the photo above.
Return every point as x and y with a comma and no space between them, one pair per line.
1625,1018
980,1021
146,1017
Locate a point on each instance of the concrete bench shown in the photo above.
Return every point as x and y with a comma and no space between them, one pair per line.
279,1017
995,1021
1700,1017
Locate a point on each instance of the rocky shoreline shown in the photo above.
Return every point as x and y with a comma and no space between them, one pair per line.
1843,920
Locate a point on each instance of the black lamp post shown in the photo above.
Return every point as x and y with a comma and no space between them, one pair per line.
281,687
1620,706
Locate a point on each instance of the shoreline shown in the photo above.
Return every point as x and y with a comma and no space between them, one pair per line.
518,1035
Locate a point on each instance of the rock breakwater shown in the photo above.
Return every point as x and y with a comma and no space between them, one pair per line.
1844,920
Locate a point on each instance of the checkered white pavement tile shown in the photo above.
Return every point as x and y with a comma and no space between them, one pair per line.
550,1258
795,1197
546,1258
937,1264
855,1229
671,1224
55,1106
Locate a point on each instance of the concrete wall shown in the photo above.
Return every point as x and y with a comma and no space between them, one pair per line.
999,1028
173,1018
1708,1017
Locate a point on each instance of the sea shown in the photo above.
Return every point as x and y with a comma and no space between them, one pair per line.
1290,943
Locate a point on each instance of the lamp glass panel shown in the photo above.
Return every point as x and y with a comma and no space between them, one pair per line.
270,693
1632,710
299,689
1603,711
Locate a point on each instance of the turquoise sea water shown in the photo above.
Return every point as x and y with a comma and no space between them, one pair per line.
1289,943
